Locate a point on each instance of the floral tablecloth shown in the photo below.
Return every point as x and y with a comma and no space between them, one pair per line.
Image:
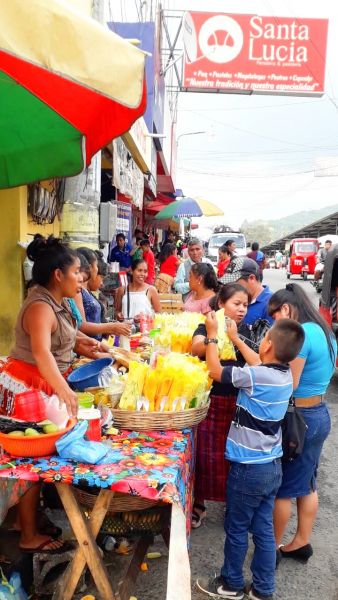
156,465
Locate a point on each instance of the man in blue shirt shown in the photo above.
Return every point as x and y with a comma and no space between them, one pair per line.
121,253
245,271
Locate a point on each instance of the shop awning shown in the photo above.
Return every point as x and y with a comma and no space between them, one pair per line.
68,86
160,202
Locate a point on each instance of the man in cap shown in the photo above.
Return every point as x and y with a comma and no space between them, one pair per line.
245,271
195,252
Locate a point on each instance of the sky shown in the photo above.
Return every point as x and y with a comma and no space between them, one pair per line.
257,157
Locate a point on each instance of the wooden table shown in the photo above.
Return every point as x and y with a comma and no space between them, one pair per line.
86,530
57,471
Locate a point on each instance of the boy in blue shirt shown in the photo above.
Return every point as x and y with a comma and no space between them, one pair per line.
254,447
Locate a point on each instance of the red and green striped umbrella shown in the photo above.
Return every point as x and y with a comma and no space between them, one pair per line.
68,86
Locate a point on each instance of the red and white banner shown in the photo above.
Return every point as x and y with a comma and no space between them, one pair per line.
251,53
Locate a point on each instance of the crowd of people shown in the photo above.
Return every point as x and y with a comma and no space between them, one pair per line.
282,349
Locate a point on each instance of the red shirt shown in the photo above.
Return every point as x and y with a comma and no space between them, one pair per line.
222,265
170,266
150,260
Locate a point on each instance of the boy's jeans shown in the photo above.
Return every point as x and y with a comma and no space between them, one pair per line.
251,493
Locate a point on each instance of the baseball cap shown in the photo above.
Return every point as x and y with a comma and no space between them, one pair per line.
239,267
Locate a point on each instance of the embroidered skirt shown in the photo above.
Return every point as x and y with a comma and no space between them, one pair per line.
211,467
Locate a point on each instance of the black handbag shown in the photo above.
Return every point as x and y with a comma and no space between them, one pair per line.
293,432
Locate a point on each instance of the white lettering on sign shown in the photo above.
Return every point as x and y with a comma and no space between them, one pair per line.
275,31
283,53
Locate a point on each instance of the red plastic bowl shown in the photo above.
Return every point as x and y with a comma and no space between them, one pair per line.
29,406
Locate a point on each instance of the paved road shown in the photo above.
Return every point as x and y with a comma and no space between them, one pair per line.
318,580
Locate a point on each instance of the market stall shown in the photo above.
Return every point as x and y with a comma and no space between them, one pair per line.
156,466
156,394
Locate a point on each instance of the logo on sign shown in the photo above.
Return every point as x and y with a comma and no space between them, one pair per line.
220,39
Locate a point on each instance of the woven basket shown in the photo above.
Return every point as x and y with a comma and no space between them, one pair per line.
139,420
151,521
119,502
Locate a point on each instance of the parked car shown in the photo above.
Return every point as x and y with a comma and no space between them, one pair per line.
218,239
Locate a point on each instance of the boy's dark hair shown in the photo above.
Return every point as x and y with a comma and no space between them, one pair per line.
120,236
287,337
254,246
144,243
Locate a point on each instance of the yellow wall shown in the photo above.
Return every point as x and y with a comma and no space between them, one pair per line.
15,227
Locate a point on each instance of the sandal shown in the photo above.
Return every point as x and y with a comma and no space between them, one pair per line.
197,517
51,546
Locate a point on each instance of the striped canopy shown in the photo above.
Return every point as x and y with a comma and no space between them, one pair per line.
68,86
189,207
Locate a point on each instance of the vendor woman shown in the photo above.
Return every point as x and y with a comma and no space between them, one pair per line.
45,339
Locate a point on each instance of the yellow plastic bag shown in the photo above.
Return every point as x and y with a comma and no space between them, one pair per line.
226,348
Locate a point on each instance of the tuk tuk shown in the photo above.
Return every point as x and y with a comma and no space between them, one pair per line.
328,298
302,257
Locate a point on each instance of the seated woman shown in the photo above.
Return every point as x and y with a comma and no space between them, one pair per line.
45,339
89,306
168,268
138,297
203,284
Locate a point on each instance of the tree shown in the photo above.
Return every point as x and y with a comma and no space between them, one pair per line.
258,231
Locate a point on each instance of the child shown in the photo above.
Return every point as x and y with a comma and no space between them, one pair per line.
149,257
254,447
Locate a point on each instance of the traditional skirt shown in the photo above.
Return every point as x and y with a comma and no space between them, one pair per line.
211,466
17,376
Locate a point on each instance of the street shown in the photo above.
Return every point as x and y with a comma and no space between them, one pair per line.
318,579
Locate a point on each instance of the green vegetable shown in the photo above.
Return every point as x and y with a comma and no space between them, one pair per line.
30,432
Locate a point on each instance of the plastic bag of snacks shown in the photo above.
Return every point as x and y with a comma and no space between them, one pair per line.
226,348
177,382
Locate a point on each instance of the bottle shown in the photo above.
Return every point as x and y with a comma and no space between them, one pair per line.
108,543
143,323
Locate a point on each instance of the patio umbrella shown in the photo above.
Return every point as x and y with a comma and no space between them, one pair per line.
68,86
189,207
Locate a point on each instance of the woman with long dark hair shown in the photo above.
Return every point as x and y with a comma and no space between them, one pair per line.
312,371
203,285
45,340
138,297
211,467
89,306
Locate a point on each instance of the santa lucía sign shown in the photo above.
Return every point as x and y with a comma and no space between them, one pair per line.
252,53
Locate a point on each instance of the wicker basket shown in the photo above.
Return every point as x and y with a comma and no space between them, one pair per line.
139,420
119,502
151,521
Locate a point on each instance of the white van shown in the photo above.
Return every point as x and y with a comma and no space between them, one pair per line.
218,239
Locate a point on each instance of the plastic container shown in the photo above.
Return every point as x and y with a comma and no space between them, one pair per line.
30,406
56,413
93,416
86,399
88,375
40,445
124,342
